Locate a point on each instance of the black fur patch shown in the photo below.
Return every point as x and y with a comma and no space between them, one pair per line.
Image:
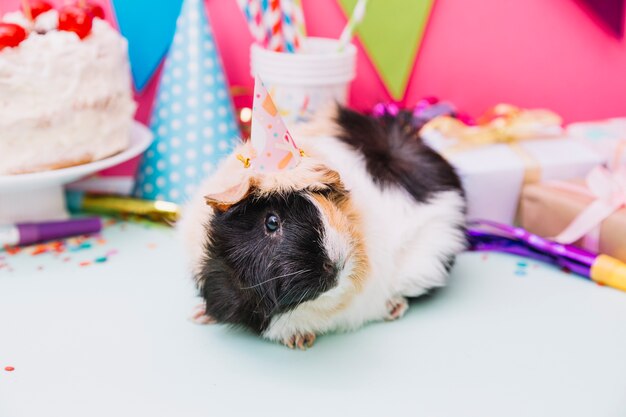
252,274
395,154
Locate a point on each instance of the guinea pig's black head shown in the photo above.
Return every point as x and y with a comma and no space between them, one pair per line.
266,254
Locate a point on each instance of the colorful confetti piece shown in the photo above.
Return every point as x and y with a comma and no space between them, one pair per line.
9,368
521,268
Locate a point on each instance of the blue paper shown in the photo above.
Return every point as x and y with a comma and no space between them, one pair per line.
193,120
149,27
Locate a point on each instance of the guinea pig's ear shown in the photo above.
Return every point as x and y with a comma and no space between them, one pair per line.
222,201
333,185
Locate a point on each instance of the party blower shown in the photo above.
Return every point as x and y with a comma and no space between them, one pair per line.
486,235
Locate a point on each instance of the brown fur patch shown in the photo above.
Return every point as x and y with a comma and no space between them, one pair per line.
343,218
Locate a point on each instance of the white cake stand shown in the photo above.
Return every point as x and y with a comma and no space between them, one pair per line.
40,196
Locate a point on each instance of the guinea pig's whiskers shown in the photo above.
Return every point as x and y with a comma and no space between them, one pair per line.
286,294
267,290
302,271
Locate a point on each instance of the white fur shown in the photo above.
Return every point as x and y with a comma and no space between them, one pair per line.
406,243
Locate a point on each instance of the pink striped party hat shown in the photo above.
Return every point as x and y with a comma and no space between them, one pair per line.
274,148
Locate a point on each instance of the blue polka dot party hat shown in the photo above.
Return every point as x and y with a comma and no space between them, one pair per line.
193,120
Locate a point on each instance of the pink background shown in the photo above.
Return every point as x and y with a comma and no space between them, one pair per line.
475,53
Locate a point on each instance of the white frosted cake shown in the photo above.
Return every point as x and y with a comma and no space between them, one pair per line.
63,100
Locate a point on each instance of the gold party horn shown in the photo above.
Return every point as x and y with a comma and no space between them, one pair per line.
115,205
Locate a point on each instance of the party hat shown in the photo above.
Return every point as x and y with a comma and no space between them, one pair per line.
274,148
193,120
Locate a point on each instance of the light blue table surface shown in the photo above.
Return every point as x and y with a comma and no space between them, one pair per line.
113,339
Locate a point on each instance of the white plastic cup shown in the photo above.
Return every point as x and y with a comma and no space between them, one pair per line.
304,82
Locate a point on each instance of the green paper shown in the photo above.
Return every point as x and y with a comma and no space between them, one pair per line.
392,32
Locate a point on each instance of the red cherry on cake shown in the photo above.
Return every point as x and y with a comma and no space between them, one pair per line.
38,7
74,19
94,10
11,35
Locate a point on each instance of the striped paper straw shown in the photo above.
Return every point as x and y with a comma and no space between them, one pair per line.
291,33
298,17
274,22
251,10
357,16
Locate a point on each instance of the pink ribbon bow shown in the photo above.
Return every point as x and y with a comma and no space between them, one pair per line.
608,187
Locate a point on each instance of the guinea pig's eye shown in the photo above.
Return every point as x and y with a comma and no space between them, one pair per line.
272,223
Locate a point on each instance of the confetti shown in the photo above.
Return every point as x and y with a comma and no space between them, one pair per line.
9,368
79,251
12,250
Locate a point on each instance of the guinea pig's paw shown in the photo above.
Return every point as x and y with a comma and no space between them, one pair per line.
396,307
302,341
199,316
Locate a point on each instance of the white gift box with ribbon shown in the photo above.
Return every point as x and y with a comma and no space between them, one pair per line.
493,175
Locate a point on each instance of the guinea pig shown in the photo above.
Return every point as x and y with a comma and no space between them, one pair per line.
371,216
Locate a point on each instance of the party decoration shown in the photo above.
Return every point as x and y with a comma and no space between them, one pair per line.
610,12
392,32
298,17
606,137
253,13
608,190
424,111
591,214
274,148
503,123
571,212
492,236
355,18
507,149
277,25
292,29
149,27
193,119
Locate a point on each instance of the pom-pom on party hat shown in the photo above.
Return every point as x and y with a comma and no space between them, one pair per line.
273,147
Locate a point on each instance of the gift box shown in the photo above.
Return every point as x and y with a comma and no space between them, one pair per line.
549,209
603,136
509,149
